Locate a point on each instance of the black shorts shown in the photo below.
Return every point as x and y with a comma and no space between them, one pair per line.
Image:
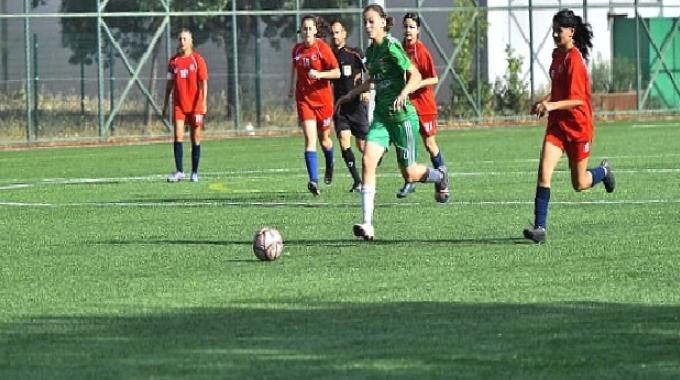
355,122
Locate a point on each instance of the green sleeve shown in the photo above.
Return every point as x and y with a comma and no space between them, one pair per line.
400,56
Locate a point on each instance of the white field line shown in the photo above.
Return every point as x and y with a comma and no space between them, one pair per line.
321,205
16,186
290,173
653,125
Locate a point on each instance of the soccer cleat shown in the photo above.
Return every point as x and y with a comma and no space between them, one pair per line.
535,234
313,188
328,175
364,231
441,189
176,177
608,181
407,189
356,188
194,177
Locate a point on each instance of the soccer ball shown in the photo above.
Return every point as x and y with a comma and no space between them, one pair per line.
268,244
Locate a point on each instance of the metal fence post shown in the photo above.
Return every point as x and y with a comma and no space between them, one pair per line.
234,33
531,48
638,71
36,87
100,74
28,87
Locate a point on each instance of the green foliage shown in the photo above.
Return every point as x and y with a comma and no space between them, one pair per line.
617,75
511,94
463,36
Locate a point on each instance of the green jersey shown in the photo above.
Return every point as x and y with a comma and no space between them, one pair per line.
387,66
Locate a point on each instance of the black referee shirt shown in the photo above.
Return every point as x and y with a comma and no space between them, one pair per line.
351,63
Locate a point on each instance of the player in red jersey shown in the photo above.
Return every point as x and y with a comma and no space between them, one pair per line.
313,65
188,83
423,98
570,118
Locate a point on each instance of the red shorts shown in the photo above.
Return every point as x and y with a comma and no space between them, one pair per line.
323,115
576,150
428,125
193,119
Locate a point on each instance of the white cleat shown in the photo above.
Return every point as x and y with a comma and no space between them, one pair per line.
364,231
176,177
194,177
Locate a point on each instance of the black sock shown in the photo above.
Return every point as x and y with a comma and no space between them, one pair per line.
348,156
178,148
195,157
541,206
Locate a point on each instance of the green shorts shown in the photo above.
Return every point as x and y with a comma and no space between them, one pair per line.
403,134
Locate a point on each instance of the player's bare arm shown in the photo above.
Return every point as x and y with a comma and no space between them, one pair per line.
169,85
414,78
362,88
328,74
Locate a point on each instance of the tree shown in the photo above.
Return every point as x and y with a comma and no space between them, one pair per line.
463,36
131,32
511,92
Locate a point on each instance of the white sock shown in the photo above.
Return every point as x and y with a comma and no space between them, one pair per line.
368,203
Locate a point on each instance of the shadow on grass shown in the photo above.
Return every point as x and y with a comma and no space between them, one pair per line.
412,340
350,242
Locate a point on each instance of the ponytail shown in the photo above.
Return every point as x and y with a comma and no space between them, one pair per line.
583,32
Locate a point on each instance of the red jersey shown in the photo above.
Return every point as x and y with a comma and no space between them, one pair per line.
570,81
187,72
423,99
320,57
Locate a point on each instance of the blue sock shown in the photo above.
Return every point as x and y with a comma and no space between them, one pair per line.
598,175
312,170
178,148
328,155
541,206
195,157
437,160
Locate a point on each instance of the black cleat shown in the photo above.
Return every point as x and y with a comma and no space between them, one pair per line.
608,181
408,188
441,189
535,234
313,188
364,231
328,176
356,188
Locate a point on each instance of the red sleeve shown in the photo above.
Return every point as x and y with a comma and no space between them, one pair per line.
202,68
577,77
426,64
293,52
329,60
171,64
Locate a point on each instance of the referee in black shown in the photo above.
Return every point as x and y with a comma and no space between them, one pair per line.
352,118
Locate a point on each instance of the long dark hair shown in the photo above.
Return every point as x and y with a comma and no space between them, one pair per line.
389,20
319,22
415,18
583,32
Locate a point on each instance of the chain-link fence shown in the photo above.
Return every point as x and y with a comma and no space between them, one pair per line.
73,69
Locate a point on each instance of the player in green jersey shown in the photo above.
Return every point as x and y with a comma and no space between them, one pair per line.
394,117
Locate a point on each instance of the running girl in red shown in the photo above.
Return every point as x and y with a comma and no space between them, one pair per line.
423,98
313,65
188,84
570,118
